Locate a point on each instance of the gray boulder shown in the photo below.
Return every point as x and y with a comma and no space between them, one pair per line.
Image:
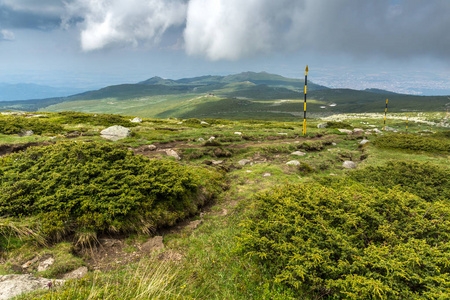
298,153
363,142
345,131
14,285
293,163
173,153
243,162
349,164
76,274
136,120
322,125
115,133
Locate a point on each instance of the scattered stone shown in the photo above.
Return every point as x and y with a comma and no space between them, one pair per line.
345,131
76,274
29,263
136,120
358,131
293,162
201,140
179,123
27,133
173,153
243,162
267,175
216,162
390,129
14,285
298,153
249,171
204,123
322,125
211,138
376,130
115,133
282,133
153,244
194,224
363,142
333,143
238,133
44,265
332,174
349,164
150,148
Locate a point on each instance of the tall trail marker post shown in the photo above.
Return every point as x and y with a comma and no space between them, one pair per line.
406,123
304,104
385,112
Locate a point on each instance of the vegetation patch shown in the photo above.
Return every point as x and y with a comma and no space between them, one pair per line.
72,117
351,241
414,142
89,188
19,124
339,125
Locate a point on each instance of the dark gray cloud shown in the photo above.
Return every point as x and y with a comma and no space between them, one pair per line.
232,29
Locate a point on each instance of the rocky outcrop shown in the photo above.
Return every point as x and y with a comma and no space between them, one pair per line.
14,285
115,133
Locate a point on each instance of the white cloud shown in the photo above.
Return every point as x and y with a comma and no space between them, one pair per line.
6,35
108,23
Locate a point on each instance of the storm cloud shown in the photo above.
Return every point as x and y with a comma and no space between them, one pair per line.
233,29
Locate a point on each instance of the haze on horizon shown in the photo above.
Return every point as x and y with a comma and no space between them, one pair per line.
397,45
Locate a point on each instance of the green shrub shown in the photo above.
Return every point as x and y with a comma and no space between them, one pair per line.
350,241
413,142
72,117
339,125
312,146
94,187
431,182
19,124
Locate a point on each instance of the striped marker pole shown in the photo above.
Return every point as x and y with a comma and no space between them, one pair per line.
385,112
304,104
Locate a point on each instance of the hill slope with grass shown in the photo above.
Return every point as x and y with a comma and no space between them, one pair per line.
245,95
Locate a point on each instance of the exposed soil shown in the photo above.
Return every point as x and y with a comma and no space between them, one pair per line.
14,148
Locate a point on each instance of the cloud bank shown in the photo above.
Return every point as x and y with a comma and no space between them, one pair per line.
6,35
233,29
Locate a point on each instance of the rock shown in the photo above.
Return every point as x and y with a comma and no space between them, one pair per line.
282,133
150,148
173,153
333,143
345,131
238,133
298,153
390,129
204,123
267,175
201,139
216,162
211,139
322,125
194,224
349,164
136,120
27,133
153,244
44,265
29,263
179,123
76,274
243,162
358,131
363,142
249,171
376,130
14,285
115,133
293,162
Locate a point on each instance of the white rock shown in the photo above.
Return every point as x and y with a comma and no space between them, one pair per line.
173,153
201,139
136,120
76,274
298,153
267,175
44,265
216,162
14,285
27,133
349,164
358,131
345,131
333,143
293,162
322,125
238,133
363,142
115,133
243,162
150,148
282,133
204,123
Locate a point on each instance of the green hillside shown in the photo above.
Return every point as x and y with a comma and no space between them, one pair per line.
245,95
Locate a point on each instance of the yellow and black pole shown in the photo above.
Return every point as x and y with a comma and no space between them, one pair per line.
304,104
385,112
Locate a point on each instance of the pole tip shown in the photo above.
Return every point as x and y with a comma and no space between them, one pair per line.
306,69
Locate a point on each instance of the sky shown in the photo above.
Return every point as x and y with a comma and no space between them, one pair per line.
397,45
